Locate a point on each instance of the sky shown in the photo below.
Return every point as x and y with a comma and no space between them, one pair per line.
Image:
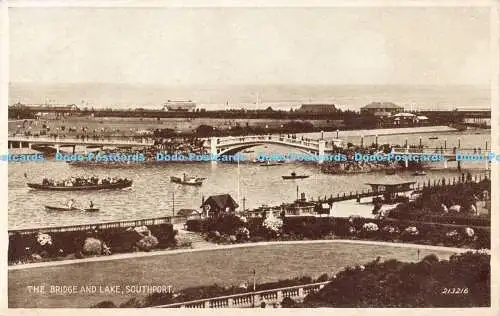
170,46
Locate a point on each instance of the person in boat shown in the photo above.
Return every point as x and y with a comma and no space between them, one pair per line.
71,203
91,204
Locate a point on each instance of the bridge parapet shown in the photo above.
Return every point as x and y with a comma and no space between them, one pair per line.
253,138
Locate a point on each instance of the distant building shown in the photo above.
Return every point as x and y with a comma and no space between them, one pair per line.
381,109
189,213
45,110
216,204
179,106
317,108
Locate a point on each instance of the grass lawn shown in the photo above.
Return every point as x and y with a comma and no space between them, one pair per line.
224,266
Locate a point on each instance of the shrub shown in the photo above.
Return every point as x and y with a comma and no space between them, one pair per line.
242,234
273,225
92,246
397,284
147,243
224,223
410,233
44,239
104,304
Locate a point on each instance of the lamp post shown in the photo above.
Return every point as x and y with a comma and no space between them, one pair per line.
173,203
253,294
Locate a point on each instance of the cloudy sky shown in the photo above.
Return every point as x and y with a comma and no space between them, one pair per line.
250,45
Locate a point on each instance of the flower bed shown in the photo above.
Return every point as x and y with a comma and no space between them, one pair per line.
307,227
56,246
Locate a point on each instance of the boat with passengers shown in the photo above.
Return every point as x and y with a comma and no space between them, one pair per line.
82,184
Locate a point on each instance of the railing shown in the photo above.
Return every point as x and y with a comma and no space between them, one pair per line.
103,225
251,299
425,151
59,140
227,141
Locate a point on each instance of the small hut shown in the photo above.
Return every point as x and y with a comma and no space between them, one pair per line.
217,204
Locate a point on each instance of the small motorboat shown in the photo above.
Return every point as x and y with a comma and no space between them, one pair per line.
248,151
293,175
187,180
433,137
419,173
91,210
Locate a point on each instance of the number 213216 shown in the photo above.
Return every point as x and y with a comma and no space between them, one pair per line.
455,290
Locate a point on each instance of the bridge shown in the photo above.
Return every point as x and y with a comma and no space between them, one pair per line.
71,142
233,145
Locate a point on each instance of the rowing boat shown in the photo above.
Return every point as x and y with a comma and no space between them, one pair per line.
64,209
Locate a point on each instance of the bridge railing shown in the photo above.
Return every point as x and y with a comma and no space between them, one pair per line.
250,299
266,138
65,140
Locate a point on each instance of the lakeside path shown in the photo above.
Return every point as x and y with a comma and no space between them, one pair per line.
224,265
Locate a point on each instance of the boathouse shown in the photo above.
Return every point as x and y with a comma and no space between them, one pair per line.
217,204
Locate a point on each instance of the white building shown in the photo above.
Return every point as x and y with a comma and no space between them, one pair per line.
179,106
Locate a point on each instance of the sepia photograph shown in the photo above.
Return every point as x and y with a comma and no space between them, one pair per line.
251,156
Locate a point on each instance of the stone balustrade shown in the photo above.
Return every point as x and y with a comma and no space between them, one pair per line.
252,299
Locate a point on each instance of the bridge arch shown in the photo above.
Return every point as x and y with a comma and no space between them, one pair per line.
236,148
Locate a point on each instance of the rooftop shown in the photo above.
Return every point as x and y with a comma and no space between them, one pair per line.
221,201
382,105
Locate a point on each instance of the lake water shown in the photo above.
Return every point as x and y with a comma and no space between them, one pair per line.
153,195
